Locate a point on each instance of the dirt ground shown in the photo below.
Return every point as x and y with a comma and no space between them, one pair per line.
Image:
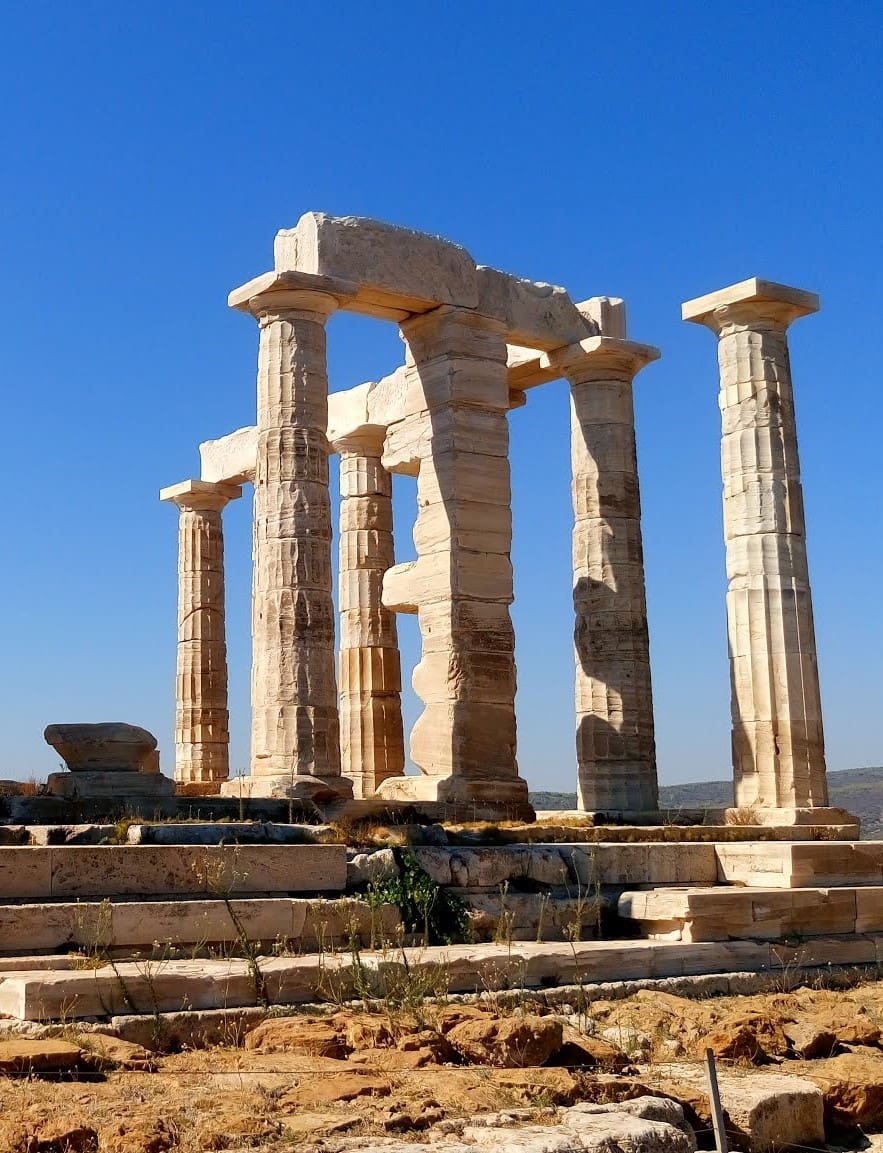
306,1081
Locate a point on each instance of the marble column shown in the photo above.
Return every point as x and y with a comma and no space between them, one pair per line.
202,735
461,584
295,734
616,749
778,742
370,676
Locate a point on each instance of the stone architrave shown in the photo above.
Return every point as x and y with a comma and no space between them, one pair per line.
295,735
370,677
616,749
202,736
778,743
461,584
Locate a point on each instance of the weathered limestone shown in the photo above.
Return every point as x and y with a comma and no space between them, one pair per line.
295,736
778,743
202,736
170,986
616,750
802,864
65,872
107,747
139,924
371,735
110,759
722,913
461,584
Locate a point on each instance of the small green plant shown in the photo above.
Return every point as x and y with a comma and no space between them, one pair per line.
438,915
506,922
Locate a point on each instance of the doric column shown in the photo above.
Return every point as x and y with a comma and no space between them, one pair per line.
295,736
370,677
202,735
778,744
616,750
461,584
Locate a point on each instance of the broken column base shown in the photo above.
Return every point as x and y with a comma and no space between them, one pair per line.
786,817
288,786
120,785
489,798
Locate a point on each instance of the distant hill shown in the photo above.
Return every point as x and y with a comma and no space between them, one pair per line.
859,791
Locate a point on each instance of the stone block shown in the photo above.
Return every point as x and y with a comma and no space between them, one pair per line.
643,863
392,268
533,314
802,864
466,524
117,785
107,747
869,910
230,459
479,576
454,476
25,927
31,872
25,872
464,674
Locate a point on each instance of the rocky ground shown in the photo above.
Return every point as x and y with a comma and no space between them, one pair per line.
799,1067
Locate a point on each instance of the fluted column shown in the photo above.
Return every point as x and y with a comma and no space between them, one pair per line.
370,677
295,735
461,584
778,741
616,749
202,736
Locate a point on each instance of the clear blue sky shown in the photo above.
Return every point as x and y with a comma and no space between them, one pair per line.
149,152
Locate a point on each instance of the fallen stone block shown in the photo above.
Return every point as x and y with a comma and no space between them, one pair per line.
45,1055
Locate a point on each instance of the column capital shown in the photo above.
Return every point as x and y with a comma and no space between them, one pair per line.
276,294
598,356
201,495
452,330
366,440
750,302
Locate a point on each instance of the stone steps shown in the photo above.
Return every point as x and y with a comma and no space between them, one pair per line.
801,864
163,928
67,872
718,913
174,985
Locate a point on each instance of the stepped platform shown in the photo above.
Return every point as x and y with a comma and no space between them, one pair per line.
153,987
278,894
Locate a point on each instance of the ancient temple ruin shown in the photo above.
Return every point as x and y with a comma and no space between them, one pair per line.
327,721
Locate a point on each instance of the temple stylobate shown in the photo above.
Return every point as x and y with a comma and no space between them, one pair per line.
327,722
